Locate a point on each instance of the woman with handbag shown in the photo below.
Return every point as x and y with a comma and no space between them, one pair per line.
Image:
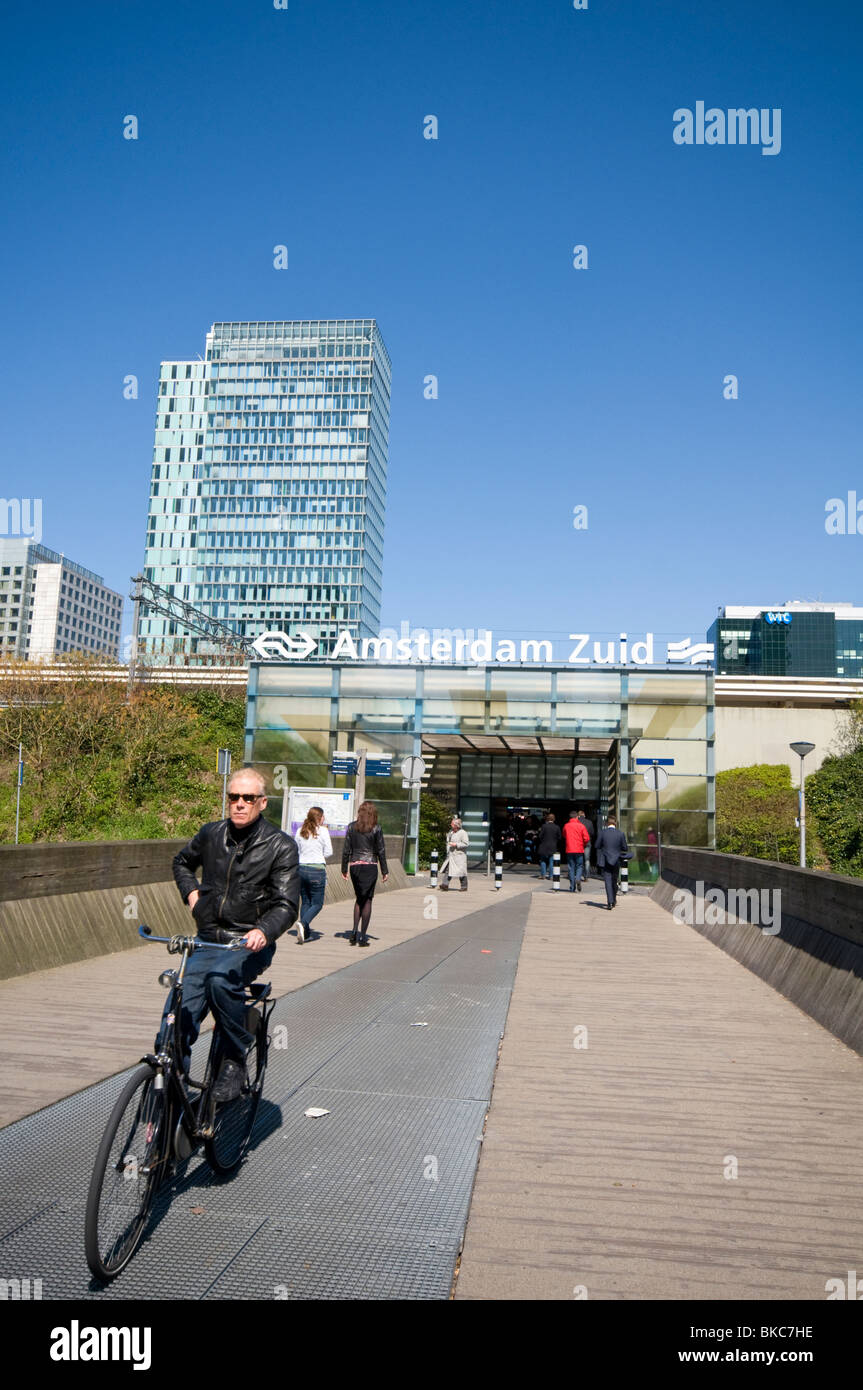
363,849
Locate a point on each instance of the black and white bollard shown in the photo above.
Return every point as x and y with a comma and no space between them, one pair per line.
498,867
555,873
433,868
623,885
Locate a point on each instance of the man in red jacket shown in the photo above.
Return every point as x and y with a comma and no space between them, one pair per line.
576,842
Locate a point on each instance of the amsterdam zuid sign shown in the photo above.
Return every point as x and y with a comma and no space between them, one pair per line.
456,646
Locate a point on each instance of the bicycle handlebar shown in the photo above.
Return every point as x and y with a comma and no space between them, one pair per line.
178,943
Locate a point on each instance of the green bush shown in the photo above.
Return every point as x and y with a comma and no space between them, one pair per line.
435,817
834,801
756,810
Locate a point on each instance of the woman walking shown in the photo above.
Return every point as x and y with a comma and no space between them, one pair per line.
455,864
315,847
363,848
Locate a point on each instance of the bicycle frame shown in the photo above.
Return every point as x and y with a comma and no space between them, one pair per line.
155,1124
168,1062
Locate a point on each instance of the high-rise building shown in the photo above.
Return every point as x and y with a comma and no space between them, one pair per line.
791,639
269,482
50,606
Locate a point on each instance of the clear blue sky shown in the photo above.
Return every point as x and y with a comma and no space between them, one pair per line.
557,387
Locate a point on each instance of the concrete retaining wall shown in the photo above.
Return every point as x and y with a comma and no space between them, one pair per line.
69,902
816,958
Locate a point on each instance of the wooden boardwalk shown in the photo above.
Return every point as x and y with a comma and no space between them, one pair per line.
66,1028
606,1169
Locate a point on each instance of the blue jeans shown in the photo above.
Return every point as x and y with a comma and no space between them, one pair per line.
217,980
575,864
545,862
313,887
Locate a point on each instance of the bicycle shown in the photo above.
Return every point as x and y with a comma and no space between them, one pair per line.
156,1124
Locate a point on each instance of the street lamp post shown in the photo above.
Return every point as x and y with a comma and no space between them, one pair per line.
224,767
802,749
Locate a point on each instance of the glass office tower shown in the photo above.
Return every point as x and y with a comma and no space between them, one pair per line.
795,639
268,486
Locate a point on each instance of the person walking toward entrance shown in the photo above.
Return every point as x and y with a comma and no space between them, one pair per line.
576,842
315,847
363,849
455,864
589,827
652,855
547,844
611,850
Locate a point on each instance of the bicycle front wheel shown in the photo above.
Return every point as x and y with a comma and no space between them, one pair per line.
129,1166
233,1123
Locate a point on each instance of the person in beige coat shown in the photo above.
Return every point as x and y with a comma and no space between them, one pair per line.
455,864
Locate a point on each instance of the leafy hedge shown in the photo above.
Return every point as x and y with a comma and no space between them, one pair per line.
756,811
435,817
834,800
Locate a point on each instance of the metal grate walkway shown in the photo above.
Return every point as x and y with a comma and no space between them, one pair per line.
367,1202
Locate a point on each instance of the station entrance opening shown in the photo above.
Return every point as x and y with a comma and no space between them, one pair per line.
516,825
503,796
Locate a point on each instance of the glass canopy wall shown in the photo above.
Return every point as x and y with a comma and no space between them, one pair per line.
299,715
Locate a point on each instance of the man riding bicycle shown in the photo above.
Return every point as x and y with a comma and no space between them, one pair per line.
249,889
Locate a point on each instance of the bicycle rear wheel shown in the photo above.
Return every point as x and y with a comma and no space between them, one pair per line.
233,1123
129,1166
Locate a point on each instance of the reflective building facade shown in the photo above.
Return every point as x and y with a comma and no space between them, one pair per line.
268,484
795,639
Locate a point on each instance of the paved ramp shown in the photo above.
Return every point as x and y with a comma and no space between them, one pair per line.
367,1202
609,1169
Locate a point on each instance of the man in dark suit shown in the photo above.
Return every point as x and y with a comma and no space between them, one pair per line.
611,850
547,844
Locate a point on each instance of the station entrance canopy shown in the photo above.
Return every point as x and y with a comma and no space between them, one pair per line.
499,742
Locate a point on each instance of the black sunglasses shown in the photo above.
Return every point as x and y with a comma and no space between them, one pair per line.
248,797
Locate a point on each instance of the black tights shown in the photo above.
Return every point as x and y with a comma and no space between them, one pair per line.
364,878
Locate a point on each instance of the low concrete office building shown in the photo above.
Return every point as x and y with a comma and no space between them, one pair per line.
50,606
758,717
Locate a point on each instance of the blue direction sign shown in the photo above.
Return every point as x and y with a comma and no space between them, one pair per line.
379,767
346,764
648,762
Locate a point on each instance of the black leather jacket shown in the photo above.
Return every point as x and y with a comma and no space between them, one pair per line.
247,881
364,844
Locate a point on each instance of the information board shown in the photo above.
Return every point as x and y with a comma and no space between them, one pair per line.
338,808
